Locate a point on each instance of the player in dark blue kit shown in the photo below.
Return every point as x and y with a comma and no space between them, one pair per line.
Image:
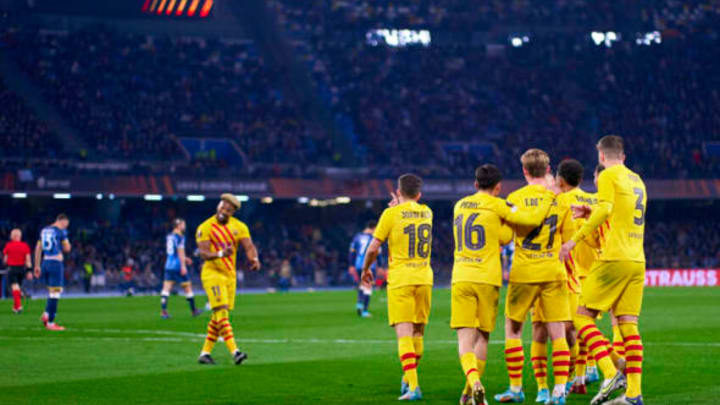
176,268
49,264
358,246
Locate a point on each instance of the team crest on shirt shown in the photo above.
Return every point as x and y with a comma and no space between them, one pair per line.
235,233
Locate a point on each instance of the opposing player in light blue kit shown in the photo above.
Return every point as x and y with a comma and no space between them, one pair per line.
49,264
358,247
176,268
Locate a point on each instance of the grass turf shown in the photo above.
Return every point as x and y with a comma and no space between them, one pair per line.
307,348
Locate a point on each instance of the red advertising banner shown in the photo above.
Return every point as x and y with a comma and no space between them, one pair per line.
682,278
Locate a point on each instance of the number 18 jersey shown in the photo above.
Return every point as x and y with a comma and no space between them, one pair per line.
407,228
536,248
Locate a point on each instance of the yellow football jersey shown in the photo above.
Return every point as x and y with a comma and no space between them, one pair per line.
407,227
623,230
479,231
221,236
584,254
537,248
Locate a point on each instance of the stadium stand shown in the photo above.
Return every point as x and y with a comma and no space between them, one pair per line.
396,103
22,134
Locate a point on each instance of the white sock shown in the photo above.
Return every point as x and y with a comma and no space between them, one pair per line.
559,390
515,388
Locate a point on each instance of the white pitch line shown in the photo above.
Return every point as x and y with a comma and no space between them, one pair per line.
175,336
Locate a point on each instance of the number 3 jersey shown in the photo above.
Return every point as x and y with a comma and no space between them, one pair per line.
407,228
625,191
536,248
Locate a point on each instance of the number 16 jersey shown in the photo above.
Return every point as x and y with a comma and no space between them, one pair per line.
407,228
536,248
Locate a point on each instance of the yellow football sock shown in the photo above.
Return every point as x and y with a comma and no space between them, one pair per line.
618,344
614,356
538,357
561,360
581,361
419,347
595,342
225,329
574,352
406,351
634,357
590,359
514,359
481,364
469,366
211,337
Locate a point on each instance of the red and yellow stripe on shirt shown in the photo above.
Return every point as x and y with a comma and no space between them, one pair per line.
220,236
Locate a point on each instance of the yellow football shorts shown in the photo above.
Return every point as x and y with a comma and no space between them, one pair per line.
551,297
474,305
220,290
616,286
410,303
573,303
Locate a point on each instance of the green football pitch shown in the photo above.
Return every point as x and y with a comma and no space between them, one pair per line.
307,348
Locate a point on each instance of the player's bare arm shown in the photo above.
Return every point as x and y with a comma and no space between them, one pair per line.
206,253
183,261
66,246
251,253
370,256
38,258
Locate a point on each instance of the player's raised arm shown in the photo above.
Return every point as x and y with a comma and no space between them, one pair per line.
251,253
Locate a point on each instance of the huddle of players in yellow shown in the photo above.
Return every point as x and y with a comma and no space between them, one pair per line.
576,255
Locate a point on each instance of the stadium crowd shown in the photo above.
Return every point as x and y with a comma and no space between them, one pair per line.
554,95
464,104
301,246
22,134
132,96
325,16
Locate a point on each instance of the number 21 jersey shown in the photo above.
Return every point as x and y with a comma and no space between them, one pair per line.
536,248
407,228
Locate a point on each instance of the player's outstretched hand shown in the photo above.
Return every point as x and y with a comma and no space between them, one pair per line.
37,271
581,211
183,271
188,261
255,264
367,277
565,250
395,201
